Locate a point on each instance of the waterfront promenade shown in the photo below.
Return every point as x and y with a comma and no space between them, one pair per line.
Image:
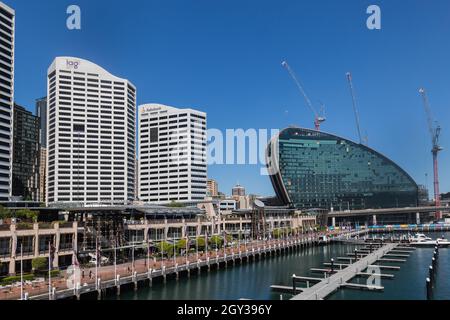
115,276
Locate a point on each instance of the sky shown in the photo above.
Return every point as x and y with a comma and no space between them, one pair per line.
224,57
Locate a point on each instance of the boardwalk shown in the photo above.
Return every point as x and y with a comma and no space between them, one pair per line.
149,269
329,285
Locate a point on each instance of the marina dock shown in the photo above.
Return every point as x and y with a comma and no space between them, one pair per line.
340,279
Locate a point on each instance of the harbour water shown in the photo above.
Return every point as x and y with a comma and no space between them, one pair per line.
253,280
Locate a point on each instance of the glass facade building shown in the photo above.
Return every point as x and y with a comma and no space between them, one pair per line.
25,182
311,169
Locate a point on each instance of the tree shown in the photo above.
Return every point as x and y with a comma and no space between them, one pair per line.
5,213
39,264
181,245
216,240
165,248
27,214
174,204
201,243
276,233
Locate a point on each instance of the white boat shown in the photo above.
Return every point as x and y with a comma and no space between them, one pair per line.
421,240
420,237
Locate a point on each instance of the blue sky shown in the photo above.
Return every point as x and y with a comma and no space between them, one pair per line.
224,57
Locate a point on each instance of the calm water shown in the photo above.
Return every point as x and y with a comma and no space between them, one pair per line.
253,280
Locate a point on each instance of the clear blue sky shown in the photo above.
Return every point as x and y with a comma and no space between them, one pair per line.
224,57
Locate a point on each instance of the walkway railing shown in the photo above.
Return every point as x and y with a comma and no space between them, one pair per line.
93,279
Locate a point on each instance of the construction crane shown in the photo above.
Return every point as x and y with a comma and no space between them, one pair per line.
355,106
318,119
435,131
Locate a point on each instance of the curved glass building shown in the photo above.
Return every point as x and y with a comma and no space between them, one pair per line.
311,169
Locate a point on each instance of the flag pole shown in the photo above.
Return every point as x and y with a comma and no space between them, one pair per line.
148,255
49,271
96,261
115,260
187,251
174,253
21,271
132,258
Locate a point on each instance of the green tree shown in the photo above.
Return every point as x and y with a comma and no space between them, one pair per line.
276,233
174,204
181,245
201,243
27,214
216,240
39,264
165,248
5,213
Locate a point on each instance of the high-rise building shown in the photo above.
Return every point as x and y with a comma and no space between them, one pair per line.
238,190
172,154
42,174
91,134
212,188
136,180
312,169
41,112
25,154
7,27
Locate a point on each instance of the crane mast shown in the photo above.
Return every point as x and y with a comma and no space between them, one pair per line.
318,119
435,131
355,106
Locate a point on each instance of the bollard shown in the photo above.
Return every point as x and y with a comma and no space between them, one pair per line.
429,289
332,265
356,255
294,288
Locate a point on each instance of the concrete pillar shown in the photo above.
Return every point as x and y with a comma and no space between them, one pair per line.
75,235
166,230
333,222
183,230
57,242
36,239
417,218
374,220
12,263
146,230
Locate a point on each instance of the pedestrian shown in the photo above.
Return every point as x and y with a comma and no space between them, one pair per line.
82,274
90,274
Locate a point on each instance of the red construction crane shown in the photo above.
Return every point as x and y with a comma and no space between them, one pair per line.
318,119
435,131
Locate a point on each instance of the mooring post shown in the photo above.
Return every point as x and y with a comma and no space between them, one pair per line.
294,288
118,285
356,255
431,273
429,289
99,290
332,265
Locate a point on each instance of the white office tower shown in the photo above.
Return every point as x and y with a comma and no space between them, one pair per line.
172,155
7,25
90,135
